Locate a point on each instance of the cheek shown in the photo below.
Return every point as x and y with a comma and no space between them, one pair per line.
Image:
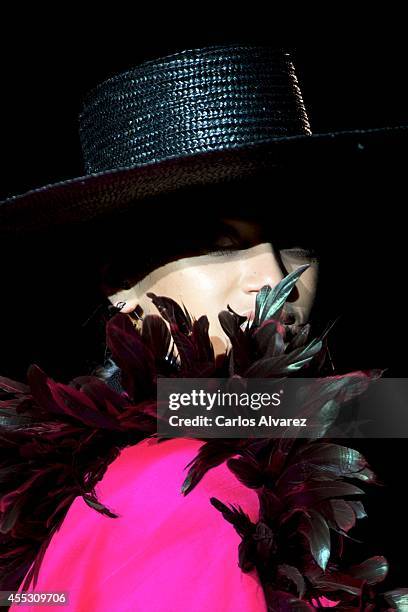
306,287
201,288
308,284
200,281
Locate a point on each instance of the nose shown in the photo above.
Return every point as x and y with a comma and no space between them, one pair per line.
260,267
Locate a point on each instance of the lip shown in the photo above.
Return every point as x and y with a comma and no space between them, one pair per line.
286,317
249,314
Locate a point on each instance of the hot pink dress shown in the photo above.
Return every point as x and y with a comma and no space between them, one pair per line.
165,552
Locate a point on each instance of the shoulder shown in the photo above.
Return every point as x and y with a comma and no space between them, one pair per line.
166,550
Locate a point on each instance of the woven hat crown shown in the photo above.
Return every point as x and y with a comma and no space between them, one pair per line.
191,102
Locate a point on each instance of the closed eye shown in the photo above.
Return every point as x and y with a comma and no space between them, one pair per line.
222,251
224,240
301,253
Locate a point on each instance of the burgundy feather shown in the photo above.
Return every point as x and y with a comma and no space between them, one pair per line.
56,442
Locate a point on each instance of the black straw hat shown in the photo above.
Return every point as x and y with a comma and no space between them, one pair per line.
199,116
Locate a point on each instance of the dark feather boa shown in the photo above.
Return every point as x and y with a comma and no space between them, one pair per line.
57,441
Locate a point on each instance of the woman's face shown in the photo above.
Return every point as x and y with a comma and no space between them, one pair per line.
229,271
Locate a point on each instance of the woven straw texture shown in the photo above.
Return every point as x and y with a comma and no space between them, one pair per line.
196,117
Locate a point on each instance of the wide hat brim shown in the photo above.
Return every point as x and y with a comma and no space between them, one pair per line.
88,197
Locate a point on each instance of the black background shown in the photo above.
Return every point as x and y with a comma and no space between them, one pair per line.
353,78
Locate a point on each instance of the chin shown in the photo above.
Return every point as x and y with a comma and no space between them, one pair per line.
220,343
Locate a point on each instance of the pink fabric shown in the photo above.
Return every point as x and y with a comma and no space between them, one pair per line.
165,553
